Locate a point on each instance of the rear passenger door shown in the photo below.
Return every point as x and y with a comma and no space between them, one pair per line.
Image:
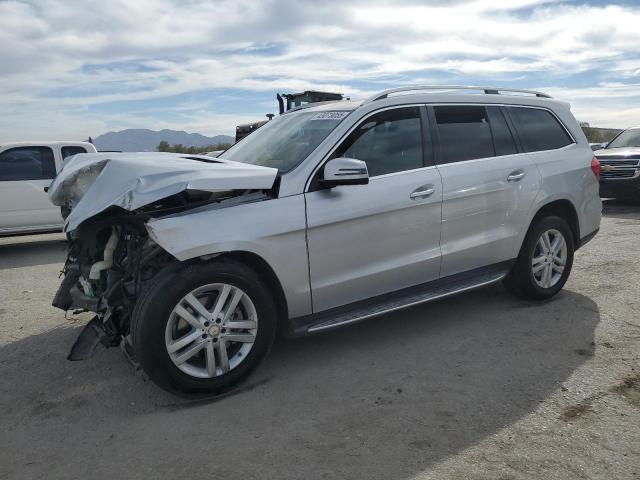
24,172
488,186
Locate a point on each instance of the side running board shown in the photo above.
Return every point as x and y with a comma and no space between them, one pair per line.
398,300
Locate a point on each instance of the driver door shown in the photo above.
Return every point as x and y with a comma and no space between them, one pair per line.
368,240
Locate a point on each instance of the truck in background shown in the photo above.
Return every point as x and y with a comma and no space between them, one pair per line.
286,102
26,169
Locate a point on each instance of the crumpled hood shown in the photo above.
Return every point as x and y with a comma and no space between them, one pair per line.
90,183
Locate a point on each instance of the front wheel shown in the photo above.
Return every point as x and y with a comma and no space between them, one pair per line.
545,260
203,327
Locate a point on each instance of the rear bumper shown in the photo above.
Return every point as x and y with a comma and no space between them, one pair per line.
620,187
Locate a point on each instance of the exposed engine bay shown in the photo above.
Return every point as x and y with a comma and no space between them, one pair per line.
110,261
111,257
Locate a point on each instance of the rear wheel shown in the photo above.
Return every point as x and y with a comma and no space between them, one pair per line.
203,327
545,260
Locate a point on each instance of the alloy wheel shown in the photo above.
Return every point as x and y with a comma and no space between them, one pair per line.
549,258
211,330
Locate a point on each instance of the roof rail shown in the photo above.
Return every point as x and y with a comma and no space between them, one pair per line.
486,90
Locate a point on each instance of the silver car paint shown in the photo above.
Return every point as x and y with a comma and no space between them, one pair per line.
561,174
566,175
277,230
372,239
483,212
272,229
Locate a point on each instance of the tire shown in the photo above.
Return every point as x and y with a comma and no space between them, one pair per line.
522,280
163,319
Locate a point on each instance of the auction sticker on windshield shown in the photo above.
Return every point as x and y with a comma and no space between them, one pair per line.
329,115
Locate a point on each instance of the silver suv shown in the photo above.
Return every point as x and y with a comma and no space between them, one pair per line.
325,216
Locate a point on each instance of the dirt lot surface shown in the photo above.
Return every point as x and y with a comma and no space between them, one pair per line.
479,386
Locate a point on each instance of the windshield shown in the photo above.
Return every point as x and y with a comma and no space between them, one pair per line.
285,141
628,138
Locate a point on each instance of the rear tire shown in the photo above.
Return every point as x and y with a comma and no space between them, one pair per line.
203,327
545,260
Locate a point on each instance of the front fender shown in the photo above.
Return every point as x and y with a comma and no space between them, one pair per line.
273,229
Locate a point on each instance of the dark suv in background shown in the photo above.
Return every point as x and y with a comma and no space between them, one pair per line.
620,166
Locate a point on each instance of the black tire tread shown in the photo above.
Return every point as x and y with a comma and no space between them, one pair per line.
519,281
149,358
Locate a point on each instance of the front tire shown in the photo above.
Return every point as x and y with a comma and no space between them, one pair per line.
203,327
545,260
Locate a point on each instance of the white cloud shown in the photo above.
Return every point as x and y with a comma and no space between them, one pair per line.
65,64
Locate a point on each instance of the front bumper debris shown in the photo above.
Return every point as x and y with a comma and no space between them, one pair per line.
92,335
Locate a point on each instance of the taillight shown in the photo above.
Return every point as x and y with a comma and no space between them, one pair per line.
595,167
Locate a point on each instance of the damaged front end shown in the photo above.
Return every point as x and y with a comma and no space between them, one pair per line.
110,261
107,203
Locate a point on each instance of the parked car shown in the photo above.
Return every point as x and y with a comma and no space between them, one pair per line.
620,166
26,168
323,217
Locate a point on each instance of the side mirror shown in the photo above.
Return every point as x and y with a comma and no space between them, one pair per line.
345,171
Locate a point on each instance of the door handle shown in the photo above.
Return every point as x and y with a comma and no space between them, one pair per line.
516,176
422,192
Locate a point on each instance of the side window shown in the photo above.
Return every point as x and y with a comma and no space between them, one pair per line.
538,129
388,141
69,151
27,163
463,133
502,138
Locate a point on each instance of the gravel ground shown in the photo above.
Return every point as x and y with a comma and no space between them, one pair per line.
479,386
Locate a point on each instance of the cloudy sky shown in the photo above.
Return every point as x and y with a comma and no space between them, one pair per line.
70,69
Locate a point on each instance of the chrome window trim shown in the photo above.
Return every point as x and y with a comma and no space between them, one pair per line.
472,160
393,174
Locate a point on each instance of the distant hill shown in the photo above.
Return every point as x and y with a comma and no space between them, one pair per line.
143,140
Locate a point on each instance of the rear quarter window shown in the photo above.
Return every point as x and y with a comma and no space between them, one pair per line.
538,129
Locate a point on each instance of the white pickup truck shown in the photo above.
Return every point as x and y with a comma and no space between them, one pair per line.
26,168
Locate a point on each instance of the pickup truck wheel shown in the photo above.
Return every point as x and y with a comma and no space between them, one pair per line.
202,327
545,260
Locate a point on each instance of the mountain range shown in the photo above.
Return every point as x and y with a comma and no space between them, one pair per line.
143,140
